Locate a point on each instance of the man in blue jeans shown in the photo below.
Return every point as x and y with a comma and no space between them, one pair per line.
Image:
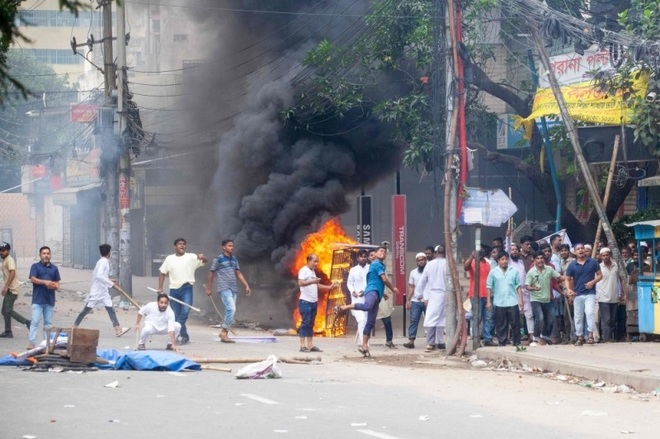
582,275
227,271
45,278
415,301
180,268
486,315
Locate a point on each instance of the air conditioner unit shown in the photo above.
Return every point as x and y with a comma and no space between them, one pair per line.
106,117
598,144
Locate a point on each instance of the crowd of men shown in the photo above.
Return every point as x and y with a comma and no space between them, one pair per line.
539,292
166,315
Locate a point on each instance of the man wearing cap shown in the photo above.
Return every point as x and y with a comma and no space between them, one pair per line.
582,275
433,283
10,289
415,301
607,294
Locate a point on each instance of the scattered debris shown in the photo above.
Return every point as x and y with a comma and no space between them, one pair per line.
112,385
263,369
423,417
358,424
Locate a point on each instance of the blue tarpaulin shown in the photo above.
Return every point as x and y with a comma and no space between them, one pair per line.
136,360
155,360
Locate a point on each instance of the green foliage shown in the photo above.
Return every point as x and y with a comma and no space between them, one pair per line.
17,129
624,233
11,34
642,21
385,74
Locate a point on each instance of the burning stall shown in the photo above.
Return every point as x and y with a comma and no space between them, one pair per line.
337,253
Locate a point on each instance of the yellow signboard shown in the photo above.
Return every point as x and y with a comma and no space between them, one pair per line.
586,103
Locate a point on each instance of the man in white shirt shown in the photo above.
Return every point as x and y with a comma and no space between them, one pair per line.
158,319
309,284
99,293
415,301
180,267
433,284
356,282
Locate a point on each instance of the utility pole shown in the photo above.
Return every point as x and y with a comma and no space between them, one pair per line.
109,154
125,272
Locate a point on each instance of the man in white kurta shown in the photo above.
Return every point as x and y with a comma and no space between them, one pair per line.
158,320
99,293
434,283
356,283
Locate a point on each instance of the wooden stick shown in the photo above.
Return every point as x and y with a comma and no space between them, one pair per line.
216,368
177,300
294,360
125,294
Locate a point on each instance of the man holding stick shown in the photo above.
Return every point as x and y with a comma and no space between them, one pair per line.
99,292
180,267
226,270
158,319
10,290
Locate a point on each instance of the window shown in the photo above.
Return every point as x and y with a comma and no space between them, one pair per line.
53,56
180,38
54,18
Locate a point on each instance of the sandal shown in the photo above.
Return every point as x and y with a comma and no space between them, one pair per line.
365,352
590,340
579,341
315,349
430,348
304,349
141,347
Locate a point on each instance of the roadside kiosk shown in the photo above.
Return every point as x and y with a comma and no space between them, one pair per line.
648,284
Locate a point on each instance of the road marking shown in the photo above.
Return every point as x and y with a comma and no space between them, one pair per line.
259,398
376,434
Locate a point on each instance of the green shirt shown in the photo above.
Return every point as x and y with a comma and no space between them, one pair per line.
542,279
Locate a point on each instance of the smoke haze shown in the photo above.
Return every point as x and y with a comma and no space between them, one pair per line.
273,183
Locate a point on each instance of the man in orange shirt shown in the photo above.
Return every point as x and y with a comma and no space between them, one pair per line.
485,314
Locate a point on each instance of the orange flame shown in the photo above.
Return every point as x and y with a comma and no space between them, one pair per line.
322,244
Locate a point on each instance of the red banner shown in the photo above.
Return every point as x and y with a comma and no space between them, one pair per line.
399,245
83,113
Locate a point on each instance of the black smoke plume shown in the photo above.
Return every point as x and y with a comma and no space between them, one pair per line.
276,182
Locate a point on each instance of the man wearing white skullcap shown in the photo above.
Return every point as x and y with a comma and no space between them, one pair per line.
415,301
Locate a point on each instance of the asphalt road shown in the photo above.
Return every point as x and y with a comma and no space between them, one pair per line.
333,399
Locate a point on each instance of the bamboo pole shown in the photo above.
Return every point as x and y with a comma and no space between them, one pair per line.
125,294
216,368
608,186
584,167
294,360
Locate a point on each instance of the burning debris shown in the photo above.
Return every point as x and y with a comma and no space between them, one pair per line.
334,263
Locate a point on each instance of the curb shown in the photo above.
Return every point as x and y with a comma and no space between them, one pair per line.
637,380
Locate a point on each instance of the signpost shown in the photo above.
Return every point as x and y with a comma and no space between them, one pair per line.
483,207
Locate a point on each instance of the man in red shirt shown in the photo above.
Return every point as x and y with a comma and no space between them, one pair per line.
485,312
